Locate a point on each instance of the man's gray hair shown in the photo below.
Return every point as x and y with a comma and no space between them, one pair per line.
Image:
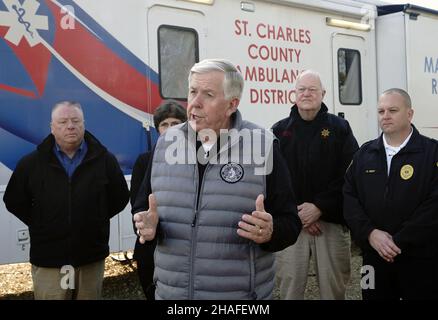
401,92
233,80
313,73
74,104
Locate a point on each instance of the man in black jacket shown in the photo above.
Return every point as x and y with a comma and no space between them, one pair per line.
391,205
318,148
66,192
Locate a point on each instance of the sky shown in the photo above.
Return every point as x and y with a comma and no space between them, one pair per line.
433,4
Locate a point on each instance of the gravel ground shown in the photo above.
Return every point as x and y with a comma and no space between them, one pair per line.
121,282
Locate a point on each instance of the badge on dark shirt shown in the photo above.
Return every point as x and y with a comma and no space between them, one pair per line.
325,133
231,172
406,172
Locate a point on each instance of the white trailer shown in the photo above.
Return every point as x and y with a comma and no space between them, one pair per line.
121,58
407,57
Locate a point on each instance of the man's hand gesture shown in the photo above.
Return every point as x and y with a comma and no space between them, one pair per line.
146,221
258,225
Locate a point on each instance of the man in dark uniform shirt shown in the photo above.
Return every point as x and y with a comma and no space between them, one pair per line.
391,205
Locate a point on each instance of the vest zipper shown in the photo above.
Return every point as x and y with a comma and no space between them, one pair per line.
194,218
192,257
195,229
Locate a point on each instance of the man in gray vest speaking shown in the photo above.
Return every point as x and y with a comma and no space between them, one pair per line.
220,199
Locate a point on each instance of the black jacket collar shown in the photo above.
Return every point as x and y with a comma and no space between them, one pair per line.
95,148
294,115
414,144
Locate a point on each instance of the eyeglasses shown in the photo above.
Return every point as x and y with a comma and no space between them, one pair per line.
312,90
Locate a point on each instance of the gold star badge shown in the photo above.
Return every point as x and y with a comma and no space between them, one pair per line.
325,133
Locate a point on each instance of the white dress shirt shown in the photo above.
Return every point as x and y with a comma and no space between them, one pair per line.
392,151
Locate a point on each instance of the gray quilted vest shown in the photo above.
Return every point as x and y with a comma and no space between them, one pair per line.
199,254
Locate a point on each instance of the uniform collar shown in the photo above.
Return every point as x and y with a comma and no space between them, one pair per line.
413,145
396,149
294,115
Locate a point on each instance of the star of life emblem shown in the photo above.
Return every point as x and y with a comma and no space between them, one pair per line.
23,21
231,172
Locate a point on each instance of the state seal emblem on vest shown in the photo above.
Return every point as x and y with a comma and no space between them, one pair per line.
231,172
